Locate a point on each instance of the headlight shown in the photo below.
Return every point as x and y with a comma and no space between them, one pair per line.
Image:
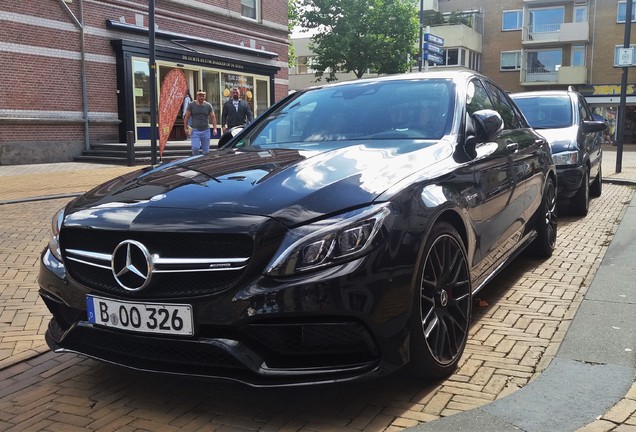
54,243
330,241
566,158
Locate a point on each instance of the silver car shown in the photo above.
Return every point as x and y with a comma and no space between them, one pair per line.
565,119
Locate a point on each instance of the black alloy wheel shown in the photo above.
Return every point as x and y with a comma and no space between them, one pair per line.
581,200
443,305
546,223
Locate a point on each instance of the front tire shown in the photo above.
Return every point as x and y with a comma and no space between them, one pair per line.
442,305
546,223
581,200
597,185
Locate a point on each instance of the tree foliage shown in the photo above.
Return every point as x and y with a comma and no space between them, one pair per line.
293,19
360,35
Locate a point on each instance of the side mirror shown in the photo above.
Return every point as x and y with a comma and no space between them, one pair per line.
228,135
488,123
589,126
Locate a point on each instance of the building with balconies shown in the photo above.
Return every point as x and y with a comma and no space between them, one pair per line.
552,44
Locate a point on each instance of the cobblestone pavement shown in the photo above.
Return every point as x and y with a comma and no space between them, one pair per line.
519,321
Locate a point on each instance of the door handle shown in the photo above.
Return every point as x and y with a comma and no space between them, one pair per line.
512,147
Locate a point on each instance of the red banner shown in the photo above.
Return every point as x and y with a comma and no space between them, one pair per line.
173,90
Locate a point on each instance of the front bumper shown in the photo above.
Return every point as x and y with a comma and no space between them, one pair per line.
342,324
569,180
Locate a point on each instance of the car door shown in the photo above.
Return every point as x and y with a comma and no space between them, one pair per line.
503,171
527,154
498,208
592,141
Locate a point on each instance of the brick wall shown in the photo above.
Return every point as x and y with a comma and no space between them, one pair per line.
41,101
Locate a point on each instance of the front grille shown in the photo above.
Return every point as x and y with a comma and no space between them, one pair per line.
87,256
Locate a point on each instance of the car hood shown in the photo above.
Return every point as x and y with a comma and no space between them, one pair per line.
289,185
562,139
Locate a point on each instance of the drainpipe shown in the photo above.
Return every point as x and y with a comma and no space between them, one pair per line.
80,24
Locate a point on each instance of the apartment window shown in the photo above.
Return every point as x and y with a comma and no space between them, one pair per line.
546,20
474,60
510,61
543,65
512,20
580,13
578,55
452,57
249,9
304,64
622,11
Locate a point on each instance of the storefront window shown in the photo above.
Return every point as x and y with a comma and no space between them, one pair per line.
211,89
216,84
262,100
141,76
245,85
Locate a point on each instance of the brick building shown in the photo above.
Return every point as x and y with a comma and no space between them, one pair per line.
550,44
76,72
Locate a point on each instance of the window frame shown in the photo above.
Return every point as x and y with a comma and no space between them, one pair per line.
576,49
519,13
581,7
536,12
618,11
518,63
257,10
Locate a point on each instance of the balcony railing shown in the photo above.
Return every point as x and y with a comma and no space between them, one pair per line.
544,32
556,33
565,75
540,76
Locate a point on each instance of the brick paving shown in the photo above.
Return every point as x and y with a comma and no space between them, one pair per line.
519,321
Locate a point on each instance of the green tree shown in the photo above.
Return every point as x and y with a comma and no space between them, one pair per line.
292,21
360,35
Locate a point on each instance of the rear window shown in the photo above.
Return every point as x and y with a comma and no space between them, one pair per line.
546,112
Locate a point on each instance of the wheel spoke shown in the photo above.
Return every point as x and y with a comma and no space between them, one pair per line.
445,300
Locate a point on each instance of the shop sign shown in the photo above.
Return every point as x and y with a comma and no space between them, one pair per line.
213,62
605,89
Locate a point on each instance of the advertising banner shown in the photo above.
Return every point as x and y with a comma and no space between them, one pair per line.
173,89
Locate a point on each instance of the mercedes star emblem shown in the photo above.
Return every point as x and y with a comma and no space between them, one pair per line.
132,265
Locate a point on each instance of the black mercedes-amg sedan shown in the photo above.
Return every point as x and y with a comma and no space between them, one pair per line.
340,236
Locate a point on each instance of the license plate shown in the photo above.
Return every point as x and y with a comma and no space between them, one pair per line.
174,319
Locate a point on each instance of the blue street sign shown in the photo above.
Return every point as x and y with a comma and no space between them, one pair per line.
433,39
433,58
433,48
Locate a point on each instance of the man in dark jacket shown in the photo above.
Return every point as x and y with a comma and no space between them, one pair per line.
236,112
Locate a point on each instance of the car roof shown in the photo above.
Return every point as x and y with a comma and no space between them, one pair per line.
455,75
535,93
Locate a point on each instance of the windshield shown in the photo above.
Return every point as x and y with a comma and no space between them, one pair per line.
404,109
546,112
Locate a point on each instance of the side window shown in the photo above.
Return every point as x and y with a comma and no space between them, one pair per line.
584,110
477,97
504,107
